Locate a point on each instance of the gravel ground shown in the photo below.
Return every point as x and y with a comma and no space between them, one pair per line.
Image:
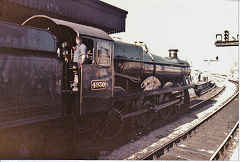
147,143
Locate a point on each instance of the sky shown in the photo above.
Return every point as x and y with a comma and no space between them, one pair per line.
188,25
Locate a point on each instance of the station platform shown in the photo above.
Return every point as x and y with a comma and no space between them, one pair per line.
235,155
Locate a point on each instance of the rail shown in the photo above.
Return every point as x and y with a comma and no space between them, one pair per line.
221,147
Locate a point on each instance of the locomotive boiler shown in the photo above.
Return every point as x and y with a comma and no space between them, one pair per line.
119,82
136,63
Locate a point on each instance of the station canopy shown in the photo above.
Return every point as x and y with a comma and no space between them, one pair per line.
93,13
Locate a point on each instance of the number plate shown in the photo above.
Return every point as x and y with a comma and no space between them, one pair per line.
98,84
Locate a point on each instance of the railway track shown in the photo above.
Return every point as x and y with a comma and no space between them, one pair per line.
121,153
194,143
206,99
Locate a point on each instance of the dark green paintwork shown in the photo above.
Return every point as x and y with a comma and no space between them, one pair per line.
96,100
136,53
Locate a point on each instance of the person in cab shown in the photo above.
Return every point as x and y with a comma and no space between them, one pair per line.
78,59
80,53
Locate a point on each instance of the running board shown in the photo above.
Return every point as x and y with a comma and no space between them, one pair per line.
127,96
156,108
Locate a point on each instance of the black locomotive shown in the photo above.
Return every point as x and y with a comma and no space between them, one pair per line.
119,81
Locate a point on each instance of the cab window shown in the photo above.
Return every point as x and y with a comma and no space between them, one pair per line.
103,53
89,50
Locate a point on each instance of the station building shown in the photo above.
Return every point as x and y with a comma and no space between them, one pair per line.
93,13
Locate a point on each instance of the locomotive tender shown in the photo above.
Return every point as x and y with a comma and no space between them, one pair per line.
119,81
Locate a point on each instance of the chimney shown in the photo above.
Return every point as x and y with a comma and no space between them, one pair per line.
173,53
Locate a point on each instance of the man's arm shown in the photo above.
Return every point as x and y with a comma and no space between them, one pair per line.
83,59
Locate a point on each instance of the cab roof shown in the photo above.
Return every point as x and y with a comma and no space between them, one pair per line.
78,28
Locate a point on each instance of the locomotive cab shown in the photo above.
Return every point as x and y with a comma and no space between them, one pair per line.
94,77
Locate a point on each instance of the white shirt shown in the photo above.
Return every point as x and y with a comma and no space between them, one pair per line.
79,52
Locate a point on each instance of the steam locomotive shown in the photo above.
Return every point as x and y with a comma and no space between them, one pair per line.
118,82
